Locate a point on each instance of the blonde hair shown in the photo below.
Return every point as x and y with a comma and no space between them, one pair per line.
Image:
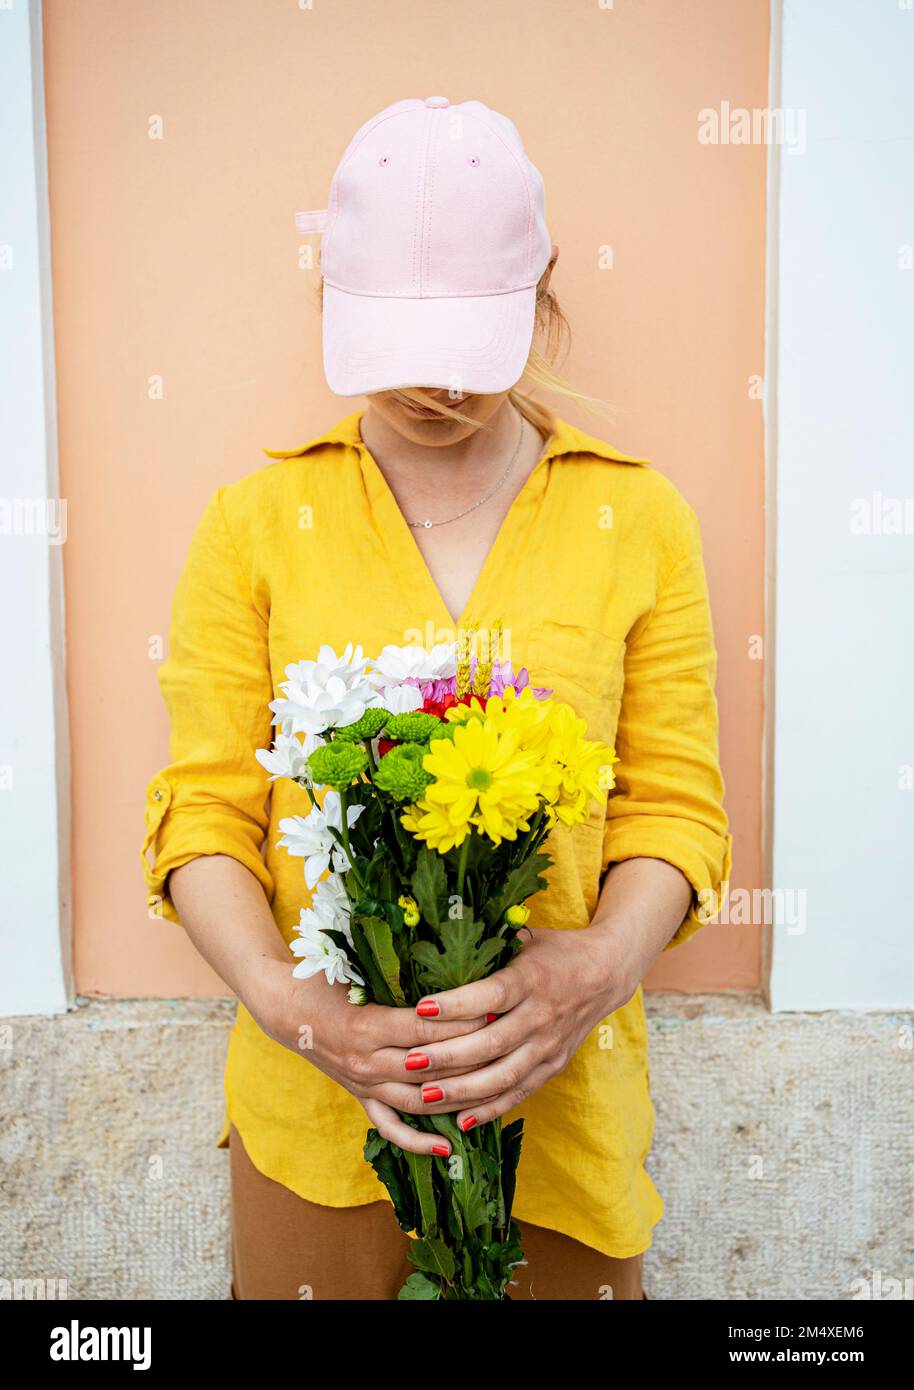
554,331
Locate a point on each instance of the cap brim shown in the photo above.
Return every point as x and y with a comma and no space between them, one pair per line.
474,344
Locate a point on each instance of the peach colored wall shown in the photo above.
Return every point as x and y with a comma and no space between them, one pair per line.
177,258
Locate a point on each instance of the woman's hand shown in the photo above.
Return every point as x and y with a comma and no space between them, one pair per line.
550,997
554,992
365,1048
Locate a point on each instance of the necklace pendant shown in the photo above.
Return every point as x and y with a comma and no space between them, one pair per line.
427,525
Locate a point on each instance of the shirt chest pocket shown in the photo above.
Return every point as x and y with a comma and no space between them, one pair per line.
585,667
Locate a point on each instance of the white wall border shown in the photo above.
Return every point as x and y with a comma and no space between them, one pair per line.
35,925
841,425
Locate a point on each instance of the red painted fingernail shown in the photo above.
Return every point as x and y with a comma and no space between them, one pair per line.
442,1150
429,1010
490,1018
468,1123
416,1061
432,1093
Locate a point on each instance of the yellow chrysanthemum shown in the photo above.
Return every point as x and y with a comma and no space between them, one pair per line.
482,779
582,767
431,824
509,755
511,710
460,714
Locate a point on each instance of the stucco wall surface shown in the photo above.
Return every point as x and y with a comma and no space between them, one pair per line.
783,1151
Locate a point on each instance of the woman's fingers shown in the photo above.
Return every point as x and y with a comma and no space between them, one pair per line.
508,1074
407,1029
494,995
412,1100
455,1056
482,1112
389,1125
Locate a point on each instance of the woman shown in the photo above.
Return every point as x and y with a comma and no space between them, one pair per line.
452,500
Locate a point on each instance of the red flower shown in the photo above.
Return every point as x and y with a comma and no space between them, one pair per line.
437,707
385,745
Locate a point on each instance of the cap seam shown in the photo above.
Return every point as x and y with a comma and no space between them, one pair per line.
419,230
435,127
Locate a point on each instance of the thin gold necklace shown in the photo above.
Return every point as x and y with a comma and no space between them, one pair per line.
428,523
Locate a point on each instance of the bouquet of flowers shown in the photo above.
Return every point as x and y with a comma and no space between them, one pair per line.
434,779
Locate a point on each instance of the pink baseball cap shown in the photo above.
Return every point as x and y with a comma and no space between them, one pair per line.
433,244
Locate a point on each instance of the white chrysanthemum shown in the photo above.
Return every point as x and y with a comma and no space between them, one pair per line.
316,953
397,664
330,906
289,757
327,693
310,837
401,699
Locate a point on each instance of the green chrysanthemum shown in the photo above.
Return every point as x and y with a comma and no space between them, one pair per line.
444,730
369,726
414,727
400,772
337,765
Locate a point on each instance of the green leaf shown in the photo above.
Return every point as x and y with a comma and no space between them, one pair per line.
476,1208
419,1287
460,961
389,1164
380,907
472,1194
420,1170
432,1255
373,1145
511,1137
429,886
380,990
522,882
381,944
445,1124
504,1253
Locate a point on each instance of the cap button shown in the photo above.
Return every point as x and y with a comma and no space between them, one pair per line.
437,102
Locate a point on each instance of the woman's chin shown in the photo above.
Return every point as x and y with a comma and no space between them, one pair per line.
421,429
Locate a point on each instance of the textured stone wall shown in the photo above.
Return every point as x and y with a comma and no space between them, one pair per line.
783,1150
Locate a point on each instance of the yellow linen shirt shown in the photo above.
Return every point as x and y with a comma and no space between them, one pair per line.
597,576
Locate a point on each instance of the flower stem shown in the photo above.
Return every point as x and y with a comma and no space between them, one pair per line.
344,833
462,865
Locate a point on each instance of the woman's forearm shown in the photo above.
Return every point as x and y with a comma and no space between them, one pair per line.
225,913
642,904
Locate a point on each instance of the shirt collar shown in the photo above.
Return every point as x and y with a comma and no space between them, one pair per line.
566,439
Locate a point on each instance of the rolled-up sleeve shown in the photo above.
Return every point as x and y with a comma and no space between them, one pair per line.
669,799
216,682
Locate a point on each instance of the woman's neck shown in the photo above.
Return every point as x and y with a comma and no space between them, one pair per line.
449,483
